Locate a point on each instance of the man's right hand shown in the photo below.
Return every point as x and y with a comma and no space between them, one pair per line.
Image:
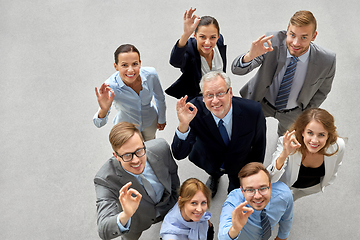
258,48
128,202
239,218
185,115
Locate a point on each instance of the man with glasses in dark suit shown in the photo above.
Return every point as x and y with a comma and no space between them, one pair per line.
220,133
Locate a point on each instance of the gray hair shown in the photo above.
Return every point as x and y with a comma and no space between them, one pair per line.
210,76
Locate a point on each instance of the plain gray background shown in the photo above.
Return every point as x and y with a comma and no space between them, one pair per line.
53,54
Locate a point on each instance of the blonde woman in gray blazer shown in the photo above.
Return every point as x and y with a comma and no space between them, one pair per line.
308,156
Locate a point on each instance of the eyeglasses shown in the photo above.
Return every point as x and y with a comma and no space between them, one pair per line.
218,95
127,157
251,191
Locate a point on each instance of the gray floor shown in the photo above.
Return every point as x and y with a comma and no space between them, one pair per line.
53,54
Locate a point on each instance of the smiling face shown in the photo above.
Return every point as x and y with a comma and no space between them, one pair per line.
256,181
137,164
206,38
194,209
129,67
315,136
218,106
299,38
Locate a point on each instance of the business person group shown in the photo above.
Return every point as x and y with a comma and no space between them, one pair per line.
220,133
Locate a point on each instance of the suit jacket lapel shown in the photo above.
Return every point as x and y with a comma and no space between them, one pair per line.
126,177
211,124
311,75
282,57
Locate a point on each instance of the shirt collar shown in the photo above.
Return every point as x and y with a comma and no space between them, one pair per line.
303,58
226,119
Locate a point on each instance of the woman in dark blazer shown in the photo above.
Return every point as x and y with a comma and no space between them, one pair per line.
196,56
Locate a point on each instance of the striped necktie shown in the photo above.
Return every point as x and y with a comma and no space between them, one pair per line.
286,83
265,225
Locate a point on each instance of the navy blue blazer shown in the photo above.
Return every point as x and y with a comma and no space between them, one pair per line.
188,60
206,148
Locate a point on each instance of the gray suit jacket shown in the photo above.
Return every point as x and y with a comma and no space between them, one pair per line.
111,177
318,79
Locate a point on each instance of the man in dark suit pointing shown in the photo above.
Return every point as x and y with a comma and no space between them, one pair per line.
220,133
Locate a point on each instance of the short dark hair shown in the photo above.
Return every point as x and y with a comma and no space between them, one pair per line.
207,20
251,169
124,49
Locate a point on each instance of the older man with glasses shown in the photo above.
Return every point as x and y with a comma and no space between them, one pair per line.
220,133
145,174
253,210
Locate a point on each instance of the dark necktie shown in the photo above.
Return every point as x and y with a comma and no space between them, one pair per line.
265,224
223,132
286,83
148,188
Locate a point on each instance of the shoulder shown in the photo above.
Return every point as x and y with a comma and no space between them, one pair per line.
246,104
339,144
108,171
278,37
235,197
280,190
220,41
148,71
158,146
114,80
321,53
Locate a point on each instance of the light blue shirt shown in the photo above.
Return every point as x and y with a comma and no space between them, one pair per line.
155,183
298,82
175,227
279,210
136,108
227,123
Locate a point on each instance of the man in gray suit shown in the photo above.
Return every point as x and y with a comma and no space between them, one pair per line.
313,73
151,172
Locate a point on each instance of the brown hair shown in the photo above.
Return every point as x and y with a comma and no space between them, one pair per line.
189,188
322,116
124,49
121,132
251,169
206,21
303,18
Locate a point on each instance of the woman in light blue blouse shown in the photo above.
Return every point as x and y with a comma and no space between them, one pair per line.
131,90
188,220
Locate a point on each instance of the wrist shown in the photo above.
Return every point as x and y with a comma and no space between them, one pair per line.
183,128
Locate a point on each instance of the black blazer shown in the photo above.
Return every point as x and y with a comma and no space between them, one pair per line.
188,60
206,148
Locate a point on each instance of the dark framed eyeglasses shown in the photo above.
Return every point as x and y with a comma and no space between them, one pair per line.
251,191
218,95
127,157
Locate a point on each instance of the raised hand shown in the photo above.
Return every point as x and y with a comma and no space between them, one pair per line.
239,218
290,143
191,21
185,115
105,97
258,48
129,203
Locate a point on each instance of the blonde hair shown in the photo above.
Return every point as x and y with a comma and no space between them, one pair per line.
121,133
188,190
